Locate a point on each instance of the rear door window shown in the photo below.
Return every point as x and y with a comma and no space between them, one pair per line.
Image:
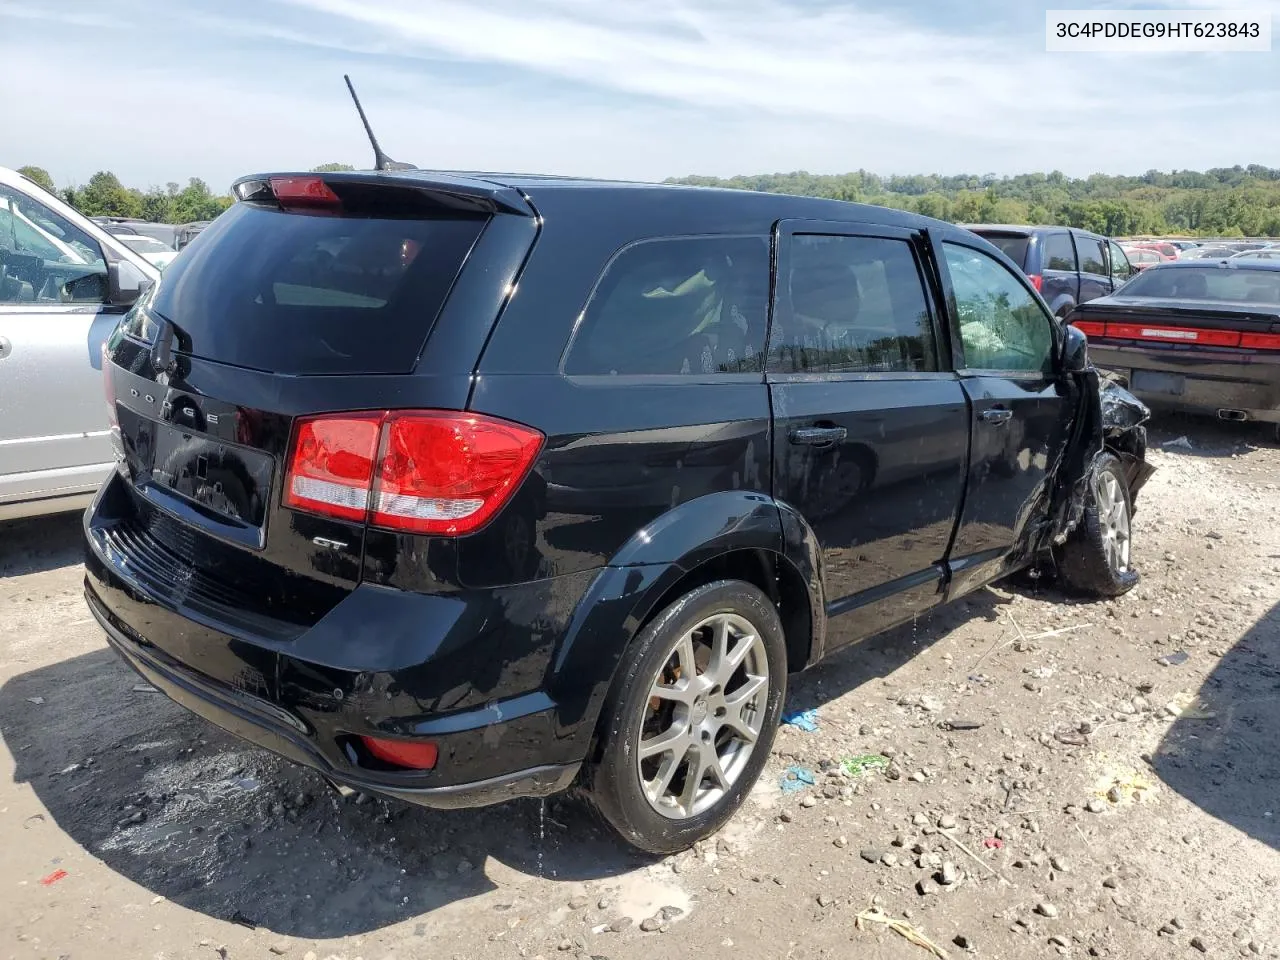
692,306
296,293
1058,252
1092,259
854,304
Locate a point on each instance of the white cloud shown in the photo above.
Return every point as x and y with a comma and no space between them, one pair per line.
640,90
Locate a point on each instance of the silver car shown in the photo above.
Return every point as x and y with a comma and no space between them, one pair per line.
64,284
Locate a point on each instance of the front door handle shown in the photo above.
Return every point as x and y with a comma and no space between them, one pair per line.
5,347
818,436
997,415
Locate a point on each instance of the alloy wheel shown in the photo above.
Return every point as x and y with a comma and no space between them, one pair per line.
703,716
1113,520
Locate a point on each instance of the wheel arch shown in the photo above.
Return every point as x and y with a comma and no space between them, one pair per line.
730,535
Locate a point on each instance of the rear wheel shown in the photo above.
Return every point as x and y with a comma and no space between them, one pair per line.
1097,558
691,720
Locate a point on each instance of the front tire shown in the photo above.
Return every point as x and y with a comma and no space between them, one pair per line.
690,722
1096,560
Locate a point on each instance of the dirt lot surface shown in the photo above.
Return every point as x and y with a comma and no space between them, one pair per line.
1084,779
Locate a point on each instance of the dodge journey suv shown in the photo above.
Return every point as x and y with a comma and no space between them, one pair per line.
458,488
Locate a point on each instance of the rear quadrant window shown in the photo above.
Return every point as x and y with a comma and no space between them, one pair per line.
677,306
852,305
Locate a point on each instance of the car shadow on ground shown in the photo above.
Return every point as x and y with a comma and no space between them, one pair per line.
40,544
223,828
1221,754
1200,436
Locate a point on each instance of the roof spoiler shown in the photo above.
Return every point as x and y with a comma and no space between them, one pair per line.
465,194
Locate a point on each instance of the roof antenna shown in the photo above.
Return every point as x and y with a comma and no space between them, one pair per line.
380,160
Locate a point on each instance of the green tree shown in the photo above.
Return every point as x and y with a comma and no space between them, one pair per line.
105,196
196,202
40,175
332,168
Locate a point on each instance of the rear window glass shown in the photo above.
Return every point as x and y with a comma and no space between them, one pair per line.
307,294
1058,253
1013,246
686,305
1207,283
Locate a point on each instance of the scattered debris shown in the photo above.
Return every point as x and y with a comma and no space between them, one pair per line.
1173,659
806,720
797,778
962,725
986,866
900,927
239,918
145,688
1182,443
1071,738
993,843
864,763
36,700
52,878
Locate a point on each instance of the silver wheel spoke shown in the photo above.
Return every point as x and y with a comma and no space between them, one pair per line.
707,729
663,742
658,786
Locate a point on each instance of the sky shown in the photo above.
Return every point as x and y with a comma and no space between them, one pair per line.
638,89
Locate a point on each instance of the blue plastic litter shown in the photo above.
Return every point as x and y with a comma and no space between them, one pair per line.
797,778
806,720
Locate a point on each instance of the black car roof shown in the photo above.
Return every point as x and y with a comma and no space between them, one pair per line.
719,208
1211,263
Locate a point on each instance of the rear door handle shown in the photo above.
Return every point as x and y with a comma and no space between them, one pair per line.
818,436
5,347
997,415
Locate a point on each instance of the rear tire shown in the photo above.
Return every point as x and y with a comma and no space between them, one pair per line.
1096,559
700,694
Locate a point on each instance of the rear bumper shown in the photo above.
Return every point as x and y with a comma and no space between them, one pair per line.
269,727
1197,380
458,670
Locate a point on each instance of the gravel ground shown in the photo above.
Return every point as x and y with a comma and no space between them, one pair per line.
1055,777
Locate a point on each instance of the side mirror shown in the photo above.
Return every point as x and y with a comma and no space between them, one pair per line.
1075,351
125,283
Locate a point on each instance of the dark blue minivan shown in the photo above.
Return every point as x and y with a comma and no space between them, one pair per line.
1068,266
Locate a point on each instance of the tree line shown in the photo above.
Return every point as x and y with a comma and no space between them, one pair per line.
1223,202
105,196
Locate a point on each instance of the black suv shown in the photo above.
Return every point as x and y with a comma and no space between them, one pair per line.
462,488
1068,266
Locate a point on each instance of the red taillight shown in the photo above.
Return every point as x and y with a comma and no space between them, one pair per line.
332,465
1089,328
1198,336
414,755
1037,281
433,472
1261,341
304,193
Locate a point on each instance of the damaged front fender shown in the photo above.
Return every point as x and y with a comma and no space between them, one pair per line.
1110,420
